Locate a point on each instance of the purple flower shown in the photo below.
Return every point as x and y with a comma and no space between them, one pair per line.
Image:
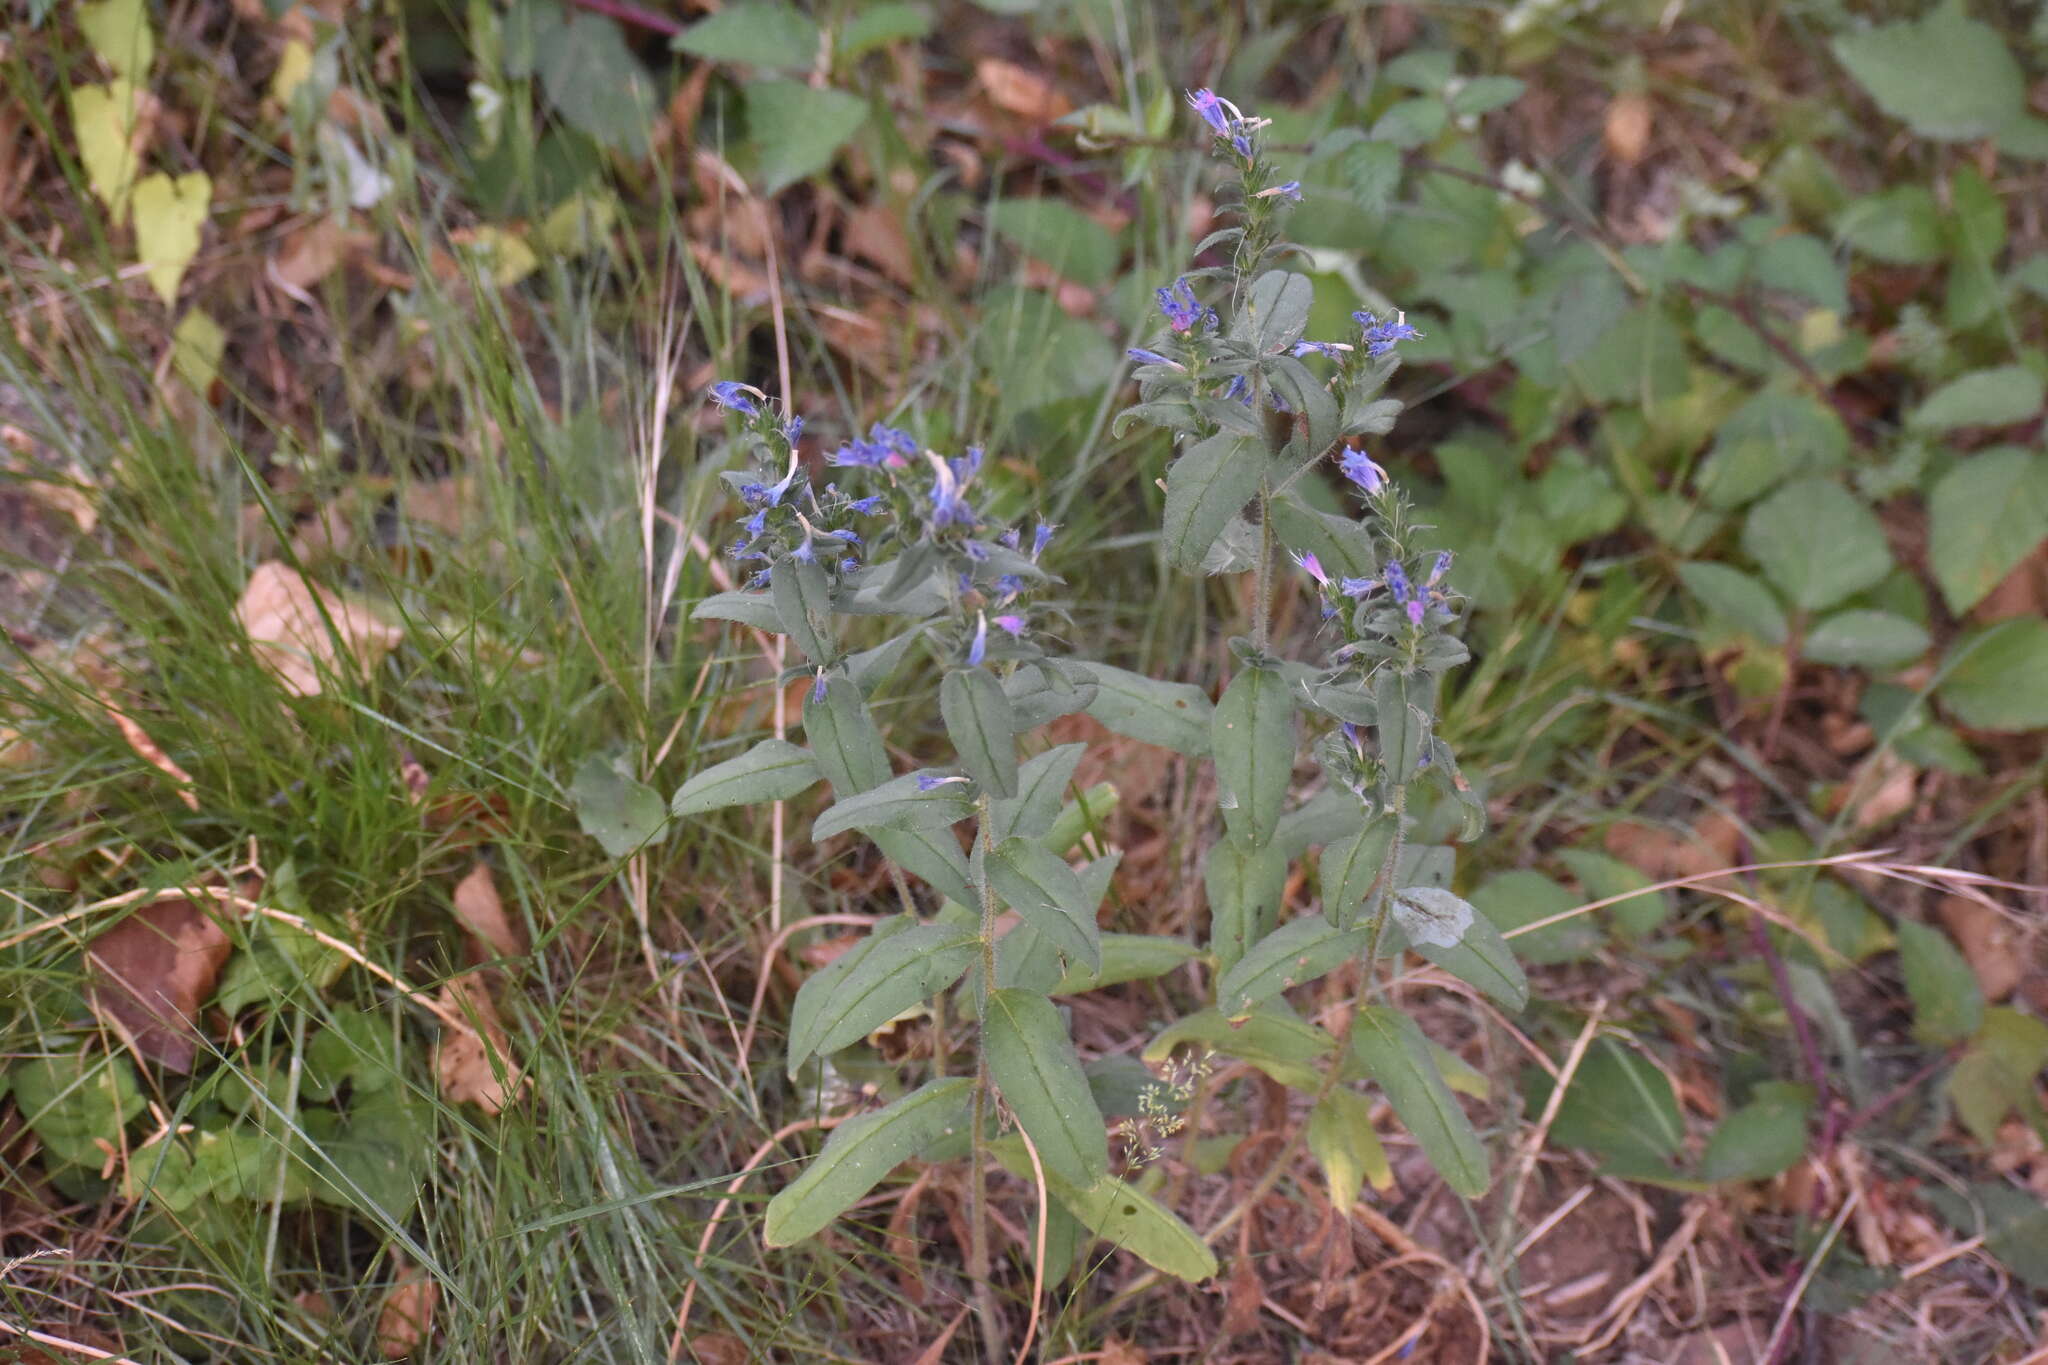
949,503
1397,581
793,430
865,506
1440,568
1308,561
857,455
894,439
976,551
1040,538
804,553
1009,585
1290,191
1382,337
755,525
1355,588
1011,538
730,393
1334,349
1206,103
1180,306
1238,389
978,651
1145,357
818,687
1013,624
1243,143
1423,761
1415,610
1352,737
1361,470
926,782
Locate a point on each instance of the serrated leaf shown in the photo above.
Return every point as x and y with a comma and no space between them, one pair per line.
1817,544
861,1152
595,82
1394,1053
982,727
1205,488
756,609
1042,783
1252,743
797,129
803,601
898,803
1038,885
1985,515
765,33
901,971
1742,599
614,807
1342,1140
1245,886
845,741
1171,715
1349,867
1866,639
773,770
1994,677
1763,1138
1300,951
1039,1076
1948,1005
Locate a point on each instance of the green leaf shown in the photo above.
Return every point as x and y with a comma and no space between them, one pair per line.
1348,868
1802,266
860,1152
1126,1218
1055,232
1299,951
614,807
1816,543
1601,876
1042,784
1620,1107
1038,885
845,741
899,971
1040,1078
119,32
1343,547
822,985
374,1156
1523,896
1205,488
982,727
1763,1138
1994,677
595,82
1245,886
1946,75
1127,957
71,1098
1343,1142
1274,1039
879,25
762,33
280,961
168,217
803,601
932,855
1998,397
1081,816
2014,1225
1996,1076
1040,691
1586,305
1985,515
104,119
1171,715
897,804
1866,639
1275,311
1948,1006
1252,741
1404,707
1899,226
756,609
1739,597
1036,353
1484,94
1477,955
1394,1053
773,770
797,129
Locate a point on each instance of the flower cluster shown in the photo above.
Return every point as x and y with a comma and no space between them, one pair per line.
1381,337
787,518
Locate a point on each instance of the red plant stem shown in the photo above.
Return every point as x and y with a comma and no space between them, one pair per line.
631,14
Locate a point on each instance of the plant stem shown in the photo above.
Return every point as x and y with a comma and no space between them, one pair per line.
1262,601
977,1203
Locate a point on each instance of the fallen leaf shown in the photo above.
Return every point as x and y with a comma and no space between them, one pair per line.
474,1065
150,751
152,971
444,504
936,1352
1021,91
107,121
717,1348
1627,128
877,236
1117,1351
1990,943
168,217
2022,592
119,32
282,614
196,349
1882,788
1664,853
408,1314
310,253
482,913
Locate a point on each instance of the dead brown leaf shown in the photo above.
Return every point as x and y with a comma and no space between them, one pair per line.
482,913
443,504
1883,787
1990,943
1021,91
2023,592
1117,1351
1627,128
150,751
407,1317
310,253
877,236
284,619
151,972
717,1348
1662,853
475,1064
936,1352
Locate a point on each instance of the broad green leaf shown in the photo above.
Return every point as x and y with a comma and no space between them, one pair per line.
764,33
1601,876
860,1152
1996,1076
1585,306
119,32
797,129
1331,815
1041,691
1997,397
614,807
1995,677
1245,886
870,668
1431,916
224,1162
820,986
1128,1219
898,973
1479,956
1803,266
1274,1039
1127,957
1035,1068
1817,544
1038,884
1171,715
1763,1138
1403,707
756,609
372,1157
773,770
982,727
71,1098
1484,94
803,601
845,740
281,961
1055,232
1275,311
898,803
104,118
1036,353
1620,1107
1865,639
1739,597
1341,545
1521,897
1301,950
1349,867
1948,1006
1946,75
1394,1053
1042,783
1900,225
1252,742
2013,1224
595,82
1343,1142
932,855
1205,488
876,26
1985,515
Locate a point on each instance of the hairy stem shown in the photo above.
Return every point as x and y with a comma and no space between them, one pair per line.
977,1205
1262,599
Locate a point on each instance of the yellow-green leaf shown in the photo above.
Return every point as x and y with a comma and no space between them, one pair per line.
196,349
119,32
1341,1135
168,216
103,117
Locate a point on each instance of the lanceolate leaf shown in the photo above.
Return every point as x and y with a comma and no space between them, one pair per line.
1349,868
982,728
1205,488
1171,715
1276,310
1432,917
1040,1078
1041,791
1037,884
897,973
861,1151
1122,1216
1402,702
1253,740
1245,886
820,986
773,770
803,599
844,740
1481,956
1342,1139
933,855
1274,1039
756,609
897,804
1296,952
1128,957
1394,1053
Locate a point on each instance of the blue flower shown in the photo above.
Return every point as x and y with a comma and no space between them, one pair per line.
927,782
1179,305
1289,191
857,455
1440,568
1206,103
1334,349
865,506
818,687
949,479
976,551
1382,337
1011,538
793,430
1009,585
730,393
1362,470
978,650
1243,143
1397,581
894,439
1308,561
1239,390
1040,538
1356,588
755,524
1145,357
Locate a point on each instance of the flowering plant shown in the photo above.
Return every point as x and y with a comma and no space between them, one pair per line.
1258,410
